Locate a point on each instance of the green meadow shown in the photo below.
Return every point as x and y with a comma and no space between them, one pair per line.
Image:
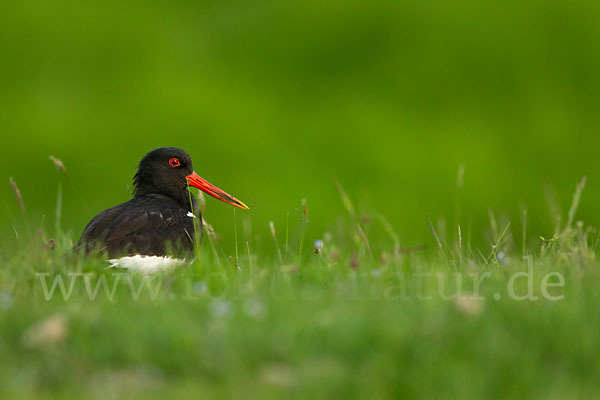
422,180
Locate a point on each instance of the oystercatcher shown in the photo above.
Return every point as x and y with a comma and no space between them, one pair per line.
155,229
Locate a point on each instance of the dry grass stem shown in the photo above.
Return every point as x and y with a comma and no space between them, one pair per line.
17,192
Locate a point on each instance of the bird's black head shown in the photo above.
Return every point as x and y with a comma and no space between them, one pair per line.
168,171
164,171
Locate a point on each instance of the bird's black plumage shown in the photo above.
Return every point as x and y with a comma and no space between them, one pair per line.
159,220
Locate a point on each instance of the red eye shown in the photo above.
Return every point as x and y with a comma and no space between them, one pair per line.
174,162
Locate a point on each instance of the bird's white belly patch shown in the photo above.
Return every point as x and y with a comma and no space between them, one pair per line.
146,264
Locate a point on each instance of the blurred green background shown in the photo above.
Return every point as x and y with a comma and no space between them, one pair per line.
276,99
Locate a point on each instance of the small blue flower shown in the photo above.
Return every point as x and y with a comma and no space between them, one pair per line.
318,244
375,273
219,308
200,287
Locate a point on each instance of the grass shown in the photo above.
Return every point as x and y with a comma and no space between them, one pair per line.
353,318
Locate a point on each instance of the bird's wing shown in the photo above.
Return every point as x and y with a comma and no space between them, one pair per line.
124,227
97,227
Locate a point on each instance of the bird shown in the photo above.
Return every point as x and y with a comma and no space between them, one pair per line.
155,229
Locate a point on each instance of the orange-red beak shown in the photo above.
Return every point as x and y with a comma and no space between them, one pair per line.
196,181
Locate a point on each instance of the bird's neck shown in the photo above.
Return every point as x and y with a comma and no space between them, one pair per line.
145,185
183,197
